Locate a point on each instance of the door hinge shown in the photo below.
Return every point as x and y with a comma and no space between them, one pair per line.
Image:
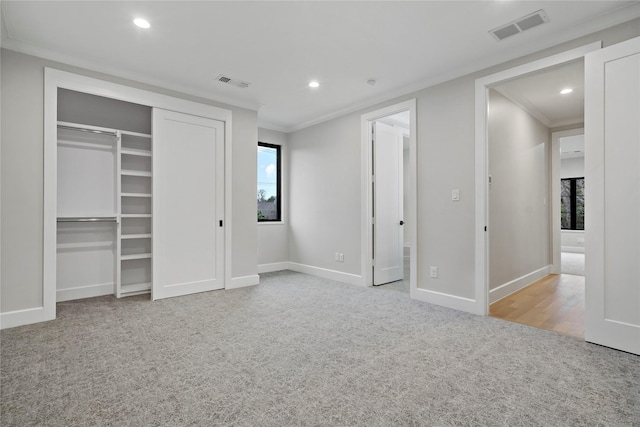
485,228
220,223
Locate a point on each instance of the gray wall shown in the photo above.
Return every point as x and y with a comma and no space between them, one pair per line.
519,209
324,195
22,80
273,237
78,107
325,179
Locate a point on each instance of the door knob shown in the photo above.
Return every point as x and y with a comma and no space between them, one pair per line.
401,222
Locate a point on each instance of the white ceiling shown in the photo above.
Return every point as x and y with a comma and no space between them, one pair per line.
280,46
572,146
539,94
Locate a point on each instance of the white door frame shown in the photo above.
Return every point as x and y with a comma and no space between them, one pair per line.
54,79
367,195
556,248
481,303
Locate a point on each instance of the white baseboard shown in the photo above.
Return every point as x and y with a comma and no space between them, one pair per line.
575,249
11,319
339,276
84,292
515,285
276,266
446,300
241,282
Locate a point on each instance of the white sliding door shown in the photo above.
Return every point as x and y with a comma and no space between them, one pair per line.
612,199
188,204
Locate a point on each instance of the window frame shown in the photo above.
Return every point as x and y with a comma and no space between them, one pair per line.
278,149
573,203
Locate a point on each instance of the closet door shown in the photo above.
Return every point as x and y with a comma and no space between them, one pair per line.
188,204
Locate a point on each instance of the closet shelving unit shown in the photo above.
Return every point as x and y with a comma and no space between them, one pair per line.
135,195
129,209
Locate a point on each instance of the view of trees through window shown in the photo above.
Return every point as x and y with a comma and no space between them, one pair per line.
572,204
268,182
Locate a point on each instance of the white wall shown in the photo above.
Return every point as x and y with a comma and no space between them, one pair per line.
572,168
519,233
325,180
22,80
273,237
572,240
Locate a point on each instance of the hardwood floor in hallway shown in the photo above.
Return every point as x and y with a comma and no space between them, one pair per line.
555,303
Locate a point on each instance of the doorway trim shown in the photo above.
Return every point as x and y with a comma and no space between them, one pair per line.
482,86
54,79
367,193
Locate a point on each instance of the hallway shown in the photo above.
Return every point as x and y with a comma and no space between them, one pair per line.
554,303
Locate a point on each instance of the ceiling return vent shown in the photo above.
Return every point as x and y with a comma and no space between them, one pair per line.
233,82
519,25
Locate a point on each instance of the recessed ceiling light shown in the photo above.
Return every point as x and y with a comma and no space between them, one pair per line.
314,84
142,23
566,91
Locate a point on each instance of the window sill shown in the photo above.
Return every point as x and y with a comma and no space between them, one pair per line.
571,231
270,222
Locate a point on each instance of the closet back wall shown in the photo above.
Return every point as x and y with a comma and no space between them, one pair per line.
77,107
22,178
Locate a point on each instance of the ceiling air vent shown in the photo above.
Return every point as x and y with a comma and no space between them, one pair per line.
519,25
233,82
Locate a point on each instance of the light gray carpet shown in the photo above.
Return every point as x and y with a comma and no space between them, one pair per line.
572,263
304,351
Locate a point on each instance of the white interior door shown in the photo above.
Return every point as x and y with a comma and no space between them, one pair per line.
612,196
387,204
188,204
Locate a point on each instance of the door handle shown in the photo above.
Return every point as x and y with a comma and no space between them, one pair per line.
401,222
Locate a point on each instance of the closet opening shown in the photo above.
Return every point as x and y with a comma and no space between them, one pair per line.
104,197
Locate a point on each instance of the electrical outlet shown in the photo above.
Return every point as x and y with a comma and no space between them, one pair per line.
341,257
433,272
338,257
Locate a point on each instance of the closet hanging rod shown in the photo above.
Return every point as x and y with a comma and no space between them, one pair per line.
104,132
88,219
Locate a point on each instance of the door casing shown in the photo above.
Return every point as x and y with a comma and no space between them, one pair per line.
480,304
54,79
367,195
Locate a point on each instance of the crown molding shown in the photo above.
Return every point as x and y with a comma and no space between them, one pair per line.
30,49
619,16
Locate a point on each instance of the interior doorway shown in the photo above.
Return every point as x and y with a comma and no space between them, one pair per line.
390,148
525,279
568,177
389,171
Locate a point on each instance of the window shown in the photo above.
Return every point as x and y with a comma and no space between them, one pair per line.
269,182
572,203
